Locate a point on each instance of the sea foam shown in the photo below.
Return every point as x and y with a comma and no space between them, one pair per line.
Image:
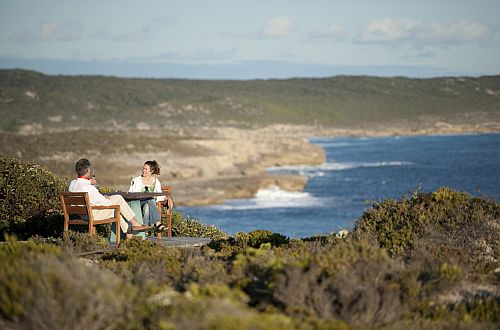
319,170
272,197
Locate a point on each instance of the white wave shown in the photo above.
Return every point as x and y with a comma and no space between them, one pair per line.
272,198
312,171
335,144
351,165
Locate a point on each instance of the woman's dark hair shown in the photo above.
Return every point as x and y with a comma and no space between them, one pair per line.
154,166
82,166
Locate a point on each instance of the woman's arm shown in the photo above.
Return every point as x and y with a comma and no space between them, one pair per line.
135,185
158,190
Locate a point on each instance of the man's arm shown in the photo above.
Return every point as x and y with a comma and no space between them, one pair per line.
96,198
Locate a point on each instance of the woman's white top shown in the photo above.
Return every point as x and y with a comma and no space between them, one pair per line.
136,185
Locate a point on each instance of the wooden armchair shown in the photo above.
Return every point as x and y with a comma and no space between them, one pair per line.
165,211
78,203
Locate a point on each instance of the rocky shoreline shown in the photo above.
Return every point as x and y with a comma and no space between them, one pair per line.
204,165
236,163
237,159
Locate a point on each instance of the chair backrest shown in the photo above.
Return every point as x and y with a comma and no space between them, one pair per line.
76,203
166,190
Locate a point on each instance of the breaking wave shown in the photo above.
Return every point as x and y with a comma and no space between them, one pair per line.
273,197
319,170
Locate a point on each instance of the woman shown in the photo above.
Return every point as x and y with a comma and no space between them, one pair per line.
148,182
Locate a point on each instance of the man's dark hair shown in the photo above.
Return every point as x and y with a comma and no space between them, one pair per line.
82,166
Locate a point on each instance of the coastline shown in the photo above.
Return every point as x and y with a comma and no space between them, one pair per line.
204,165
243,157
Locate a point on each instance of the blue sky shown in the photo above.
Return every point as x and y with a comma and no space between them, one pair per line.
259,39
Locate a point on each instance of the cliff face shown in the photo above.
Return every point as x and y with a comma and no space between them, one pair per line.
227,163
235,167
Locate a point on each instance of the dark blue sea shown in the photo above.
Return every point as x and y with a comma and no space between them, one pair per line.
357,172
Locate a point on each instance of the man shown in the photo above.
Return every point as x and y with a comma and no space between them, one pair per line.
85,183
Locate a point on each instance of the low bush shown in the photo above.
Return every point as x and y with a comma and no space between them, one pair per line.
257,237
351,281
40,288
459,221
29,194
145,263
73,242
189,227
212,307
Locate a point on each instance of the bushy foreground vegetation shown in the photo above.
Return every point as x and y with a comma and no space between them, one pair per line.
29,196
424,261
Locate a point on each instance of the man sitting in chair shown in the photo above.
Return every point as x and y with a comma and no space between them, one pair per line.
128,222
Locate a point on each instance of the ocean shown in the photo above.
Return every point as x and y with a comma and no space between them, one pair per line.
359,171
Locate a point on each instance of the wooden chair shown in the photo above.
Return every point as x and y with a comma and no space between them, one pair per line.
165,211
78,203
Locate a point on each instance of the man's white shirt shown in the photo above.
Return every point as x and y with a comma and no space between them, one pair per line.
84,185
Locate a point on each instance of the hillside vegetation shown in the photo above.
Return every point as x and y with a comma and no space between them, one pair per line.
63,102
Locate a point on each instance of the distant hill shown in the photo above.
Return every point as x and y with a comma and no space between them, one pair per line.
34,101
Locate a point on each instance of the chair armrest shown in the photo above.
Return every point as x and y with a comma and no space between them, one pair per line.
102,207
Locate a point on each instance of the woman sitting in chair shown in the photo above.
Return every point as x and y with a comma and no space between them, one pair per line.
148,182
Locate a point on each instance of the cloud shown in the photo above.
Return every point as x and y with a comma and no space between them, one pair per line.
331,32
426,54
64,31
400,30
50,31
278,27
149,31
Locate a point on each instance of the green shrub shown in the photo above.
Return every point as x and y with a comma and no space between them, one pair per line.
40,288
200,267
150,265
351,281
15,277
189,227
231,246
254,271
397,225
257,237
75,242
211,307
480,309
29,194
145,263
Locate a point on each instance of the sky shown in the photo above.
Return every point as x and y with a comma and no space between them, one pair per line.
258,39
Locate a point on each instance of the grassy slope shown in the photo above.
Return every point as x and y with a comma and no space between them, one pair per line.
343,101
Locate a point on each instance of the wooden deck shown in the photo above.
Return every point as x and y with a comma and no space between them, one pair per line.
182,241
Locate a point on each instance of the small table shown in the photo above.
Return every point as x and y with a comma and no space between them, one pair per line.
134,196
134,200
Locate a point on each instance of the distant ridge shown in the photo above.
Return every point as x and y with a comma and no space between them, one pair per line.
104,102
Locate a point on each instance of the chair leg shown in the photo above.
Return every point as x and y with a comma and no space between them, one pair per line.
118,233
169,222
160,211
